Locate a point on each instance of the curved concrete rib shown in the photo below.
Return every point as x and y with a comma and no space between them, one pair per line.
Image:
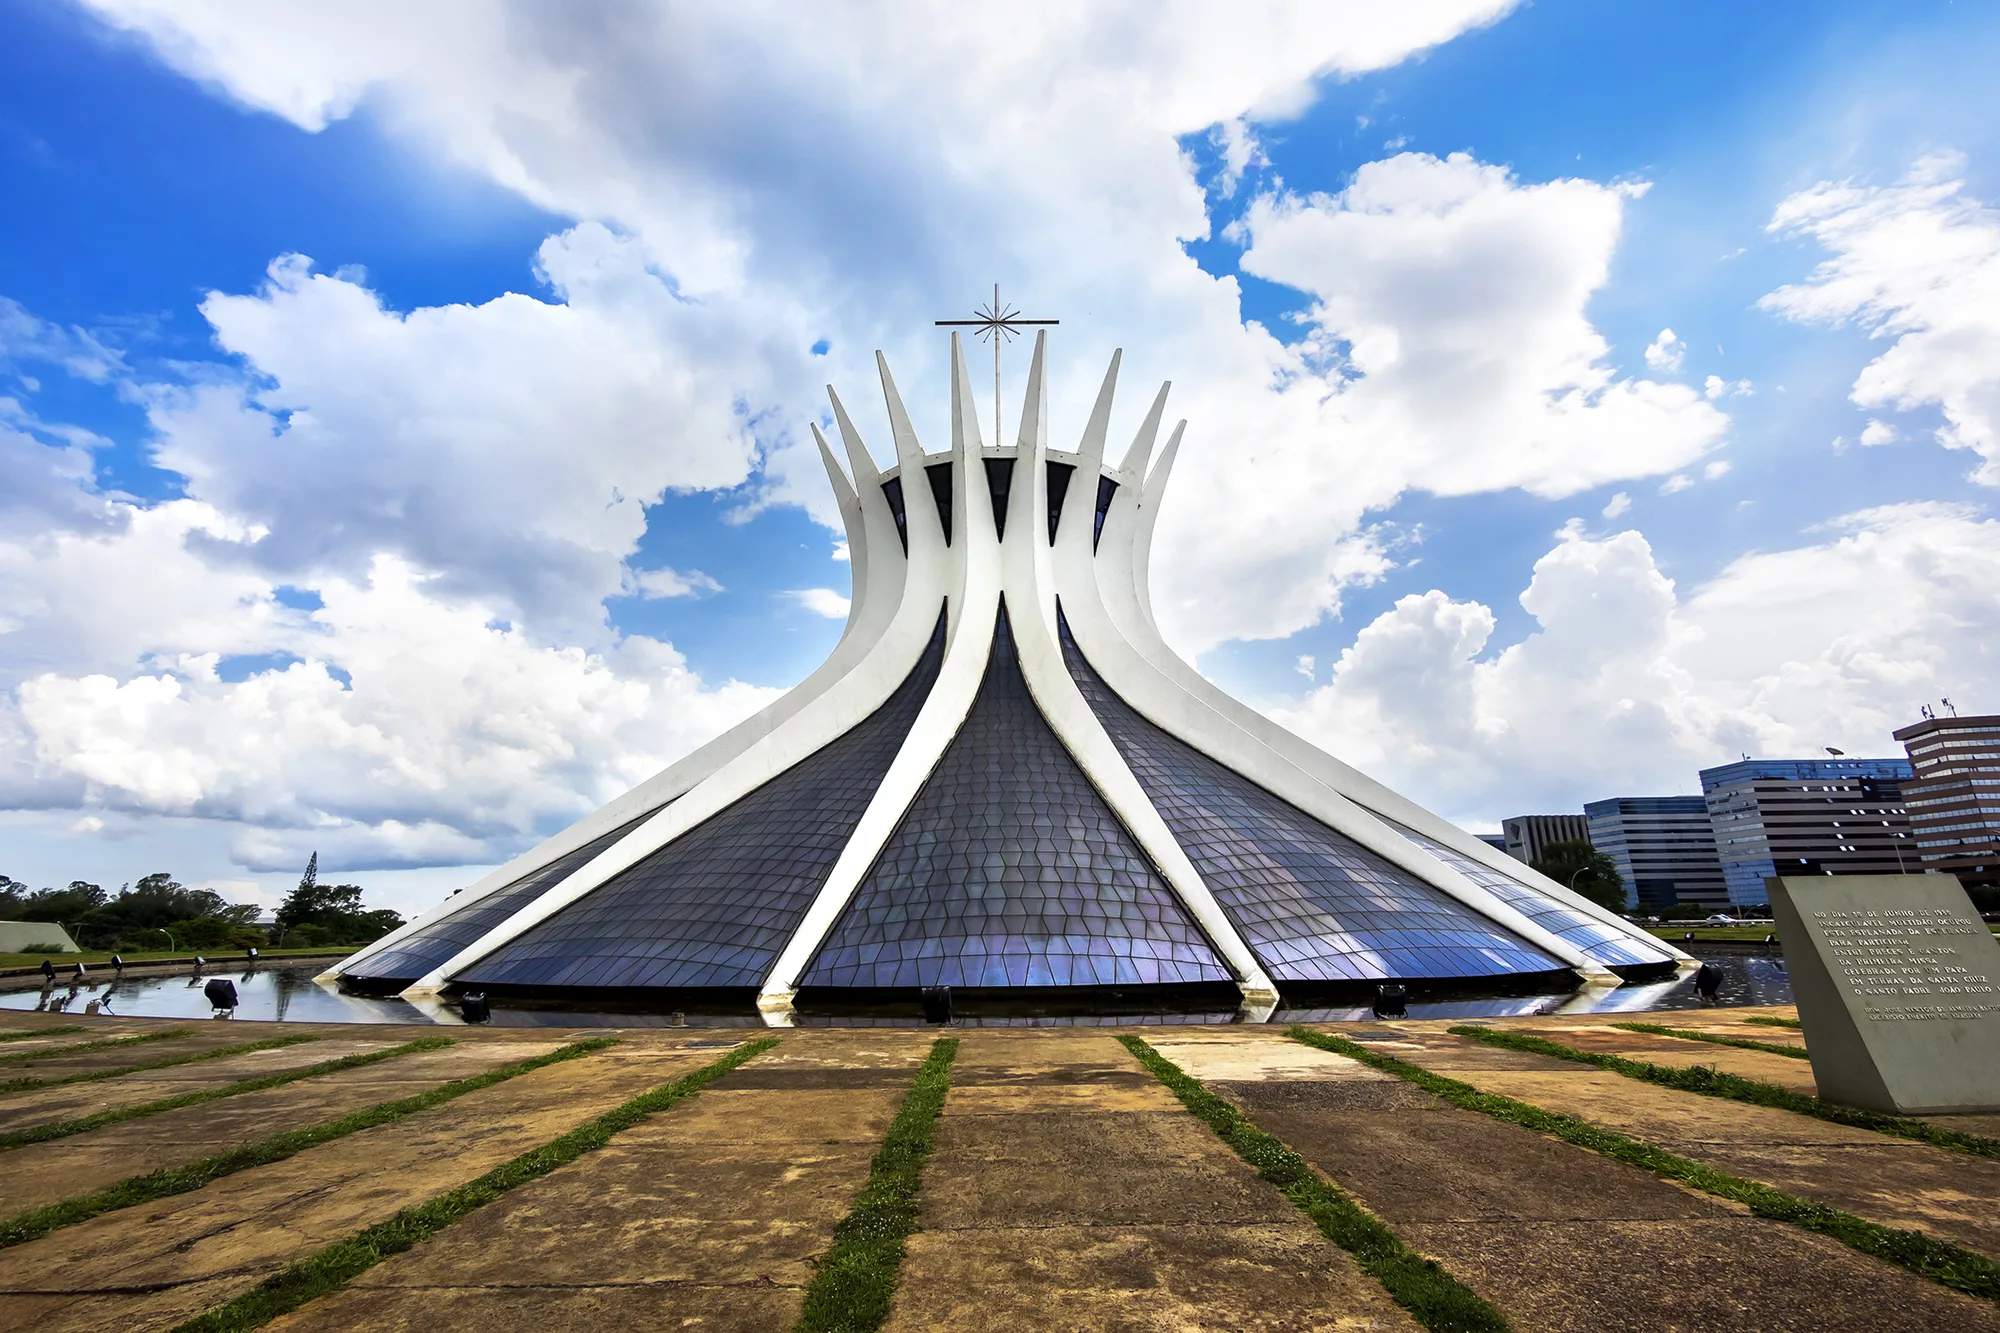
878,568
975,565
913,590
1122,557
1162,701
1028,579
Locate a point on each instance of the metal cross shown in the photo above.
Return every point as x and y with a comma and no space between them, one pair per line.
997,322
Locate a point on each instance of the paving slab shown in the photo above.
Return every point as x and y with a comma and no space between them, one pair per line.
1745,1275
44,1173
1271,1278
709,1215
1561,1238
1891,1181
1067,1189
22,1109
154,1265
202,1037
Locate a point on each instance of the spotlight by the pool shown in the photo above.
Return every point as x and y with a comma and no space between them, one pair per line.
1708,980
80,973
221,994
473,1008
250,955
117,963
1391,1000
937,1004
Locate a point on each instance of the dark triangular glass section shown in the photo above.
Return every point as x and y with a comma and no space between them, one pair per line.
892,491
1106,488
1010,870
713,907
433,945
939,476
1059,475
999,480
1313,904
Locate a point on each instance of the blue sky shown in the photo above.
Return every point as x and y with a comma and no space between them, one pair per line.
468,562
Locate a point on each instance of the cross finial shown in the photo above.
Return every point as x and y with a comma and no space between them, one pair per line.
1000,323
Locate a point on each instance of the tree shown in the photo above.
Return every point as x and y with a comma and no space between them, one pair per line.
316,913
1580,866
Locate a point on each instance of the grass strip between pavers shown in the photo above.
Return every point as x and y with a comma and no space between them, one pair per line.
24,1033
1734,1087
95,1075
85,1047
1690,1034
856,1279
1439,1301
61,1129
338,1264
1940,1261
39,1222
1762,1020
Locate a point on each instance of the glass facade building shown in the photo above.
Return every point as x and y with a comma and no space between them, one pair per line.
1807,817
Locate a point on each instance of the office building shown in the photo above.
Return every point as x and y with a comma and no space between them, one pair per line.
1807,817
1954,800
1528,836
1664,847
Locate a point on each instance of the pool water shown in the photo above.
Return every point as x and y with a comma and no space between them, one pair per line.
280,993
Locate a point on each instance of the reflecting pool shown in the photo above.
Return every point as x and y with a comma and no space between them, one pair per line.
288,993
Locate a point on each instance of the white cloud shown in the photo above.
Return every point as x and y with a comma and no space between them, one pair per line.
1306,666
1627,686
1666,352
821,602
1715,387
411,731
1918,263
1617,505
1449,349
1675,484
507,447
654,583
1719,468
440,472
1879,432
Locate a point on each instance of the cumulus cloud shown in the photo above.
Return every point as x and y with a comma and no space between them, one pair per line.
508,447
1448,348
1879,432
1617,505
477,473
408,731
1629,684
821,602
1916,263
656,583
1666,352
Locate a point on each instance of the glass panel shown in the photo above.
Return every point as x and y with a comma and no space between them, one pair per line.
1600,942
432,946
1106,488
714,906
1059,475
1010,870
892,490
939,476
1314,904
999,480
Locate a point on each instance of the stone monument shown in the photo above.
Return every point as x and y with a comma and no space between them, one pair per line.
1894,978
